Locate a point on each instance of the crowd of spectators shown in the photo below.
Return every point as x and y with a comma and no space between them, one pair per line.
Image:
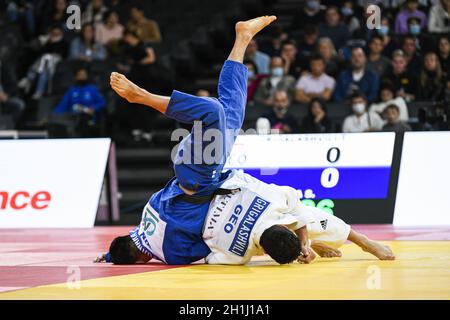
112,34
327,55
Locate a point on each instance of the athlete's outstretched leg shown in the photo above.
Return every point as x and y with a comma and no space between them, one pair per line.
134,94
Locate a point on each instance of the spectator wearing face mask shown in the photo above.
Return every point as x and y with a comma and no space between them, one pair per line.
431,79
333,28
82,98
261,59
376,61
386,33
315,84
361,120
317,120
409,10
277,81
357,78
439,15
424,42
387,97
279,117
404,83
393,121
348,17
254,79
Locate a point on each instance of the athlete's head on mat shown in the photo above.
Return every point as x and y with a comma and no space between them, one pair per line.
280,243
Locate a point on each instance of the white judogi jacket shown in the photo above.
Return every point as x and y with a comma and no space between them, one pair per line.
236,222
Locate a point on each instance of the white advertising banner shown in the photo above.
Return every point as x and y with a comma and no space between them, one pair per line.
51,183
423,190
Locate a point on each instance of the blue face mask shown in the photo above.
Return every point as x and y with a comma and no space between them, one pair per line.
250,74
313,4
384,30
346,11
414,29
277,72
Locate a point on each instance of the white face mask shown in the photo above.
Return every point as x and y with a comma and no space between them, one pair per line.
359,108
277,72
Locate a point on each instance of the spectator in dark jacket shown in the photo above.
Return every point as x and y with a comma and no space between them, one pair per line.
357,78
431,79
333,28
9,93
82,98
317,120
279,117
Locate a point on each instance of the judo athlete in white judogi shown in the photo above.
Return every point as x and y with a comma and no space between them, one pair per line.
224,217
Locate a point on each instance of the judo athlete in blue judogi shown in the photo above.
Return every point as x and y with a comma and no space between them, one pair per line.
223,217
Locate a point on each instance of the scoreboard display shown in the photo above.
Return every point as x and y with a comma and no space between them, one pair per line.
347,175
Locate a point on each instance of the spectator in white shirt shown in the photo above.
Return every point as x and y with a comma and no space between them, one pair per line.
387,98
361,120
316,84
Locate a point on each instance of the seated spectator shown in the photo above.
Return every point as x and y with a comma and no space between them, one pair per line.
310,14
10,100
85,48
361,120
293,64
410,9
140,60
376,61
404,82
123,8
254,79
203,93
146,29
316,84
333,62
94,12
387,97
277,81
317,120
442,117
439,15
424,42
333,28
308,45
431,79
387,34
349,17
413,58
393,121
109,31
444,54
357,78
82,99
54,15
279,117
261,59
53,49
273,46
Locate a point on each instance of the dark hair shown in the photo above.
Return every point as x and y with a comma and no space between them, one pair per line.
310,29
123,250
131,33
248,61
316,57
374,37
281,244
318,100
392,106
289,42
107,14
357,94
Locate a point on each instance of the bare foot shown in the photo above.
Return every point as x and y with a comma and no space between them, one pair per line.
379,250
325,251
248,29
124,87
